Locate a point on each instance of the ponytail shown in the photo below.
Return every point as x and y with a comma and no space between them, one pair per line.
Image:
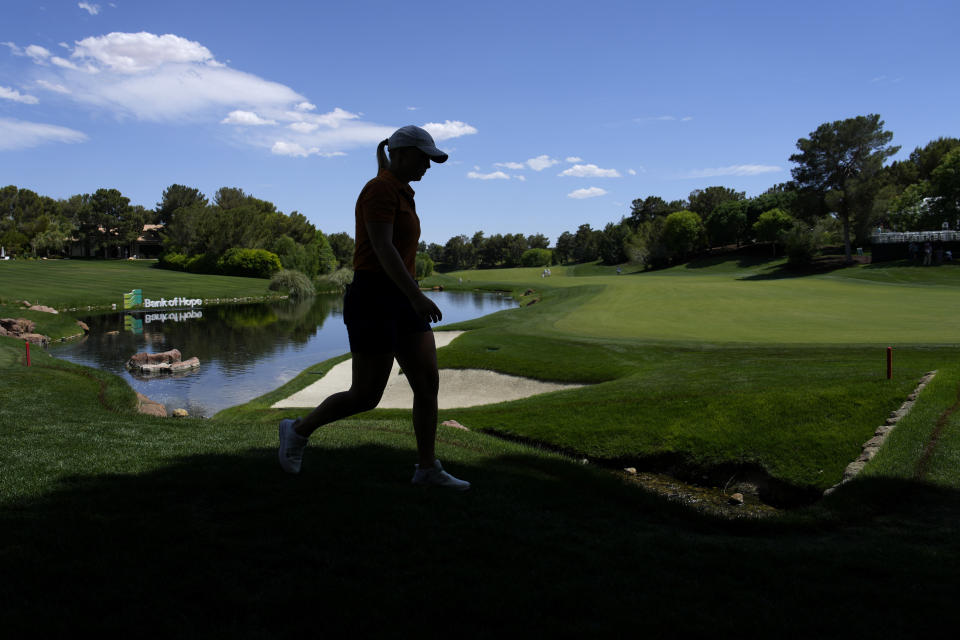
382,162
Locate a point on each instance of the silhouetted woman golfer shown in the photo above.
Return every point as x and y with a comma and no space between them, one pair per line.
385,312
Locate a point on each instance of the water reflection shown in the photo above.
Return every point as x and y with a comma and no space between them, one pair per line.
244,350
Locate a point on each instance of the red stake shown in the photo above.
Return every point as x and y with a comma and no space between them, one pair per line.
28,352
889,363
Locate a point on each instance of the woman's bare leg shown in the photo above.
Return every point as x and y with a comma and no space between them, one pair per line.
370,374
417,356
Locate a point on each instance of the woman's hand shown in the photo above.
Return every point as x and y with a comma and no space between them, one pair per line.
426,308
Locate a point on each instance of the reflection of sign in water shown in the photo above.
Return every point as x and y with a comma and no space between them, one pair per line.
173,316
130,323
133,299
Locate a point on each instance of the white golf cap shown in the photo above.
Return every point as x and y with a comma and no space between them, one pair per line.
411,136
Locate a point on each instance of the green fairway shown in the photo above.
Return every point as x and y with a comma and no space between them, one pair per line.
64,284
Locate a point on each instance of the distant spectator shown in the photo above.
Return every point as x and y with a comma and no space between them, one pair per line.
927,253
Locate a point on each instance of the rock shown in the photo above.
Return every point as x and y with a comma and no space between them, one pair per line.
43,308
147,406
17,326
143,358
180,413
454,424
883,430
112,333
35,338
853,469
186,365
534,301
584,461
529,292
874,442
631,470
83,325
736,498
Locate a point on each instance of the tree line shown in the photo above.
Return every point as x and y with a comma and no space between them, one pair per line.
842,187
196,233
842,190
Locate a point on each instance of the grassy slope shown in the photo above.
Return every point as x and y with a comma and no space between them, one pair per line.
118,523
102,282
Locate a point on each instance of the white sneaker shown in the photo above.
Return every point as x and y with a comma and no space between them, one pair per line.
437,477
291,447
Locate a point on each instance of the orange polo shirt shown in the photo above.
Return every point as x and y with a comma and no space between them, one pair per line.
386,199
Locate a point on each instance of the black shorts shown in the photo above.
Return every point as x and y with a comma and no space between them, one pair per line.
377,314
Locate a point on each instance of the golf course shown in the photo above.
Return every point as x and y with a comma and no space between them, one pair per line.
729,374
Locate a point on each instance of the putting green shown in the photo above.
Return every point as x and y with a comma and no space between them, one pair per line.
795,311
723,305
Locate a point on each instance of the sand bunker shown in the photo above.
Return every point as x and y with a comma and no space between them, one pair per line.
458,387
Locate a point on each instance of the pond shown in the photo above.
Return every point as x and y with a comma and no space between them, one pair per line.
244,350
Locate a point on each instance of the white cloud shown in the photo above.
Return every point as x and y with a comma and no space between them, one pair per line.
282,148
412,108
51,86
38,53
304,127
448,129
496,175
631,172
686,119
245,118
62,62
572,159
135,52
168,78
541,162
7,93
92,9
589,171
592,192
734,170
510,165
19,134
520,178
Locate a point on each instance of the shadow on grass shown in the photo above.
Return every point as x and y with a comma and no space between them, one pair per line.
227,546
743,258
820,265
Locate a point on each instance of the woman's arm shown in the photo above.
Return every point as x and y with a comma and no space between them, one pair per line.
381,239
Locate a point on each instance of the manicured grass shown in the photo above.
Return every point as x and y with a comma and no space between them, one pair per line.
120,524
65,284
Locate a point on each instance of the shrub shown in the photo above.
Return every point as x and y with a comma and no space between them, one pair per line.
201,263
423,266
252,263
536,258
336,281
803,243
173,261
295,283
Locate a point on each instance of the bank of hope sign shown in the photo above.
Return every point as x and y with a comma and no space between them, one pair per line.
135,298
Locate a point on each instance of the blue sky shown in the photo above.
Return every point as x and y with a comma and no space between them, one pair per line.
555,114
